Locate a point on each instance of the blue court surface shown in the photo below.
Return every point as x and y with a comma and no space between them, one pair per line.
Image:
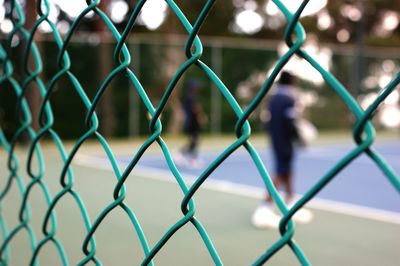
360,185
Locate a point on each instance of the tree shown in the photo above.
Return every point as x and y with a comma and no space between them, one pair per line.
106,109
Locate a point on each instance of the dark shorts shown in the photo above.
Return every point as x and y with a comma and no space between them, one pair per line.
283,163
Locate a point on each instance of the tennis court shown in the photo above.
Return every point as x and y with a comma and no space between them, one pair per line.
362,183
357,214
349,222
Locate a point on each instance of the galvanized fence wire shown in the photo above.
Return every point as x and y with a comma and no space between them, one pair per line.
363,133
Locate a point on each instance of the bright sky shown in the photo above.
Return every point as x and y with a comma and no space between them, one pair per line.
302,68
249,21
72,7
292,5
249,18
152,15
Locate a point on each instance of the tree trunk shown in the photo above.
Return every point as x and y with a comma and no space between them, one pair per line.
174,56
105,107
32,93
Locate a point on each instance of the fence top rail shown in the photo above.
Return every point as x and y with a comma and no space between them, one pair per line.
226,42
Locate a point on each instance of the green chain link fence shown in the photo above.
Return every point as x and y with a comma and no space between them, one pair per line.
363,133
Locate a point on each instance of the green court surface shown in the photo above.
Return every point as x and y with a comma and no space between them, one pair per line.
330,239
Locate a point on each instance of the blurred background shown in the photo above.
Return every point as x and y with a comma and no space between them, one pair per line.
356,40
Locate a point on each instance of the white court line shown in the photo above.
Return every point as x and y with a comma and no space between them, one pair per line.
330,156
247,191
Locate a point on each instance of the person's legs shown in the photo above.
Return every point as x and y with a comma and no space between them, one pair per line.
277,183
190,150
285,181
193,144
288,184
283,176
264,215
192,139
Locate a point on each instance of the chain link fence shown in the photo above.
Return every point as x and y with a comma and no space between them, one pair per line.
223,68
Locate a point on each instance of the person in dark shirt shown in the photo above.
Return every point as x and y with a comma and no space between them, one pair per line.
192,120
283,136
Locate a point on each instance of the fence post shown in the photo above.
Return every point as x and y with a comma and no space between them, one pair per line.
360,54
134,109
216,65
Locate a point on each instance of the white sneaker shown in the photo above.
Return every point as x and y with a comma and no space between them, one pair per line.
196,163
264,217
179,159
302,216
